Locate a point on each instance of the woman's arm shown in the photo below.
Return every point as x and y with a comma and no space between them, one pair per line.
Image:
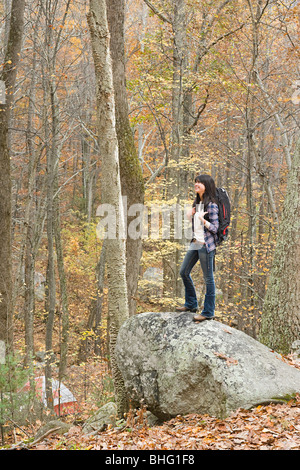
213,214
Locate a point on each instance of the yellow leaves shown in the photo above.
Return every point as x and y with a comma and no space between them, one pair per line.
87,334
76,41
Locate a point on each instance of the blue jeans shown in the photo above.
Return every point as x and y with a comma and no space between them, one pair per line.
196,252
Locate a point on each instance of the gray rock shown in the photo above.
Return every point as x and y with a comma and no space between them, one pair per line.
295,348
151,284
175,366
106,415
39,285
57,426
151,419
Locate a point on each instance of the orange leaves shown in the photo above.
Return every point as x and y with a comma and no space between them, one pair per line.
74,247
229,360
265,427
269,427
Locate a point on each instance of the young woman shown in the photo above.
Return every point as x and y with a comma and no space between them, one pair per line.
203,248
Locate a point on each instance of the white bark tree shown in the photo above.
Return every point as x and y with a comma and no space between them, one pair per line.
111,185
130,171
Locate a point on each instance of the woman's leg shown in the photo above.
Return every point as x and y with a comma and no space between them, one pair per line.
207,265
188,263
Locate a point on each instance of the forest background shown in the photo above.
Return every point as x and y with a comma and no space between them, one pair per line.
211,87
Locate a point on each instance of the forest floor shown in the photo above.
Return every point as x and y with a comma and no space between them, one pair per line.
265,427
271,427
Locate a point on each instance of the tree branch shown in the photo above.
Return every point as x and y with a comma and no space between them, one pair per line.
157,13
200,111
202,53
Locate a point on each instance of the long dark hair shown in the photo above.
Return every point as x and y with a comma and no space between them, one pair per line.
210,190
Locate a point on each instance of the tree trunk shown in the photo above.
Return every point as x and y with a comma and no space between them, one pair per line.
8,76
63,285
132,184
51,44
176,176
280,323
111,185
95,310
51,287
29,229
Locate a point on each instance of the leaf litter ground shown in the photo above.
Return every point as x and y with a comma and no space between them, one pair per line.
270,427
265,427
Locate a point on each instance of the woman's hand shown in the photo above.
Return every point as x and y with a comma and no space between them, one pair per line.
201,216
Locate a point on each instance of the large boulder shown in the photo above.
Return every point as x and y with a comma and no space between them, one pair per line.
175,366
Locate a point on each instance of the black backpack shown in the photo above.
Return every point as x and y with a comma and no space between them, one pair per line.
224,214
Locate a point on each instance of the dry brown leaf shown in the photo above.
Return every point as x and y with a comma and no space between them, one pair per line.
229,360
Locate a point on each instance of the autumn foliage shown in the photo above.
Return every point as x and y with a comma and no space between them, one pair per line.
239,95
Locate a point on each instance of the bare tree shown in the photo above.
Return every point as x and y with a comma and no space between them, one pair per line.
111,184
8,76
53,145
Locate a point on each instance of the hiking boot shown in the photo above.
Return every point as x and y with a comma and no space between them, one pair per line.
199,318
186,309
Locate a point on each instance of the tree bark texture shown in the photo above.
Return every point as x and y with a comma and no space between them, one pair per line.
280,323
111,185
9,74
176,175
132,184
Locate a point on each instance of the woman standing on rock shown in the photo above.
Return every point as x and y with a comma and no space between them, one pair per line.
205,220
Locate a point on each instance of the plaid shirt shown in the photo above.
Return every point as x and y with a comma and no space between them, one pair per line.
210,235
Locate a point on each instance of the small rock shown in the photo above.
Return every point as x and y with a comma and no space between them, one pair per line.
151,285
295,348
106,415
59,426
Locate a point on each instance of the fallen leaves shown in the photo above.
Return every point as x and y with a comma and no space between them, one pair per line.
270,427
265,427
